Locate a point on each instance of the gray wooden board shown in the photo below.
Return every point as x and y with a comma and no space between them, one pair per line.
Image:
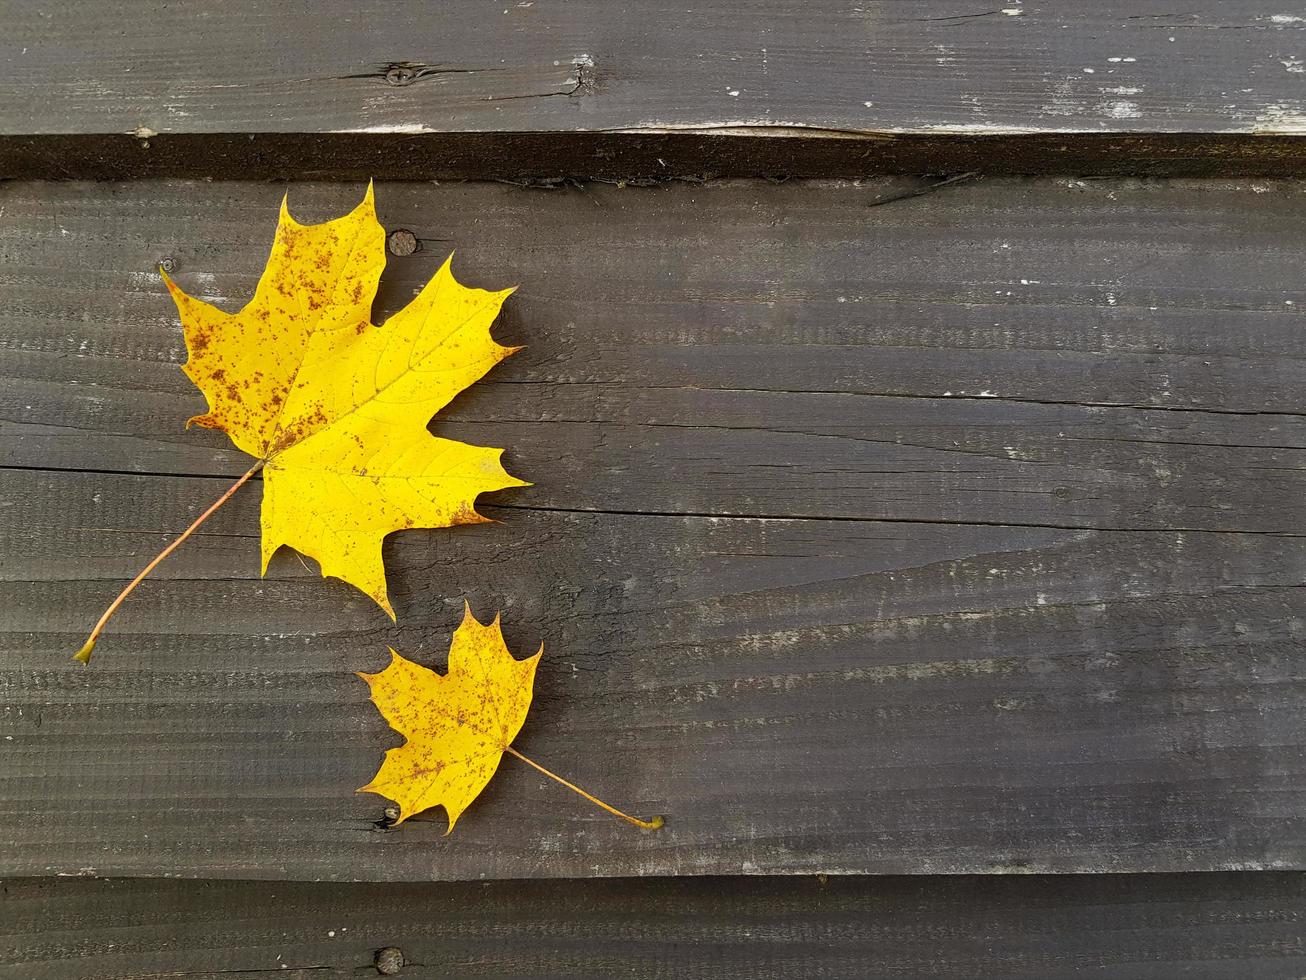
956,534
379,87
1128,927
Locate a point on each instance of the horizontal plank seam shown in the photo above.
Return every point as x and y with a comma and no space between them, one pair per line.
655,155
706,515
892,520
995,399
1238,132
110,472
816,434
504,420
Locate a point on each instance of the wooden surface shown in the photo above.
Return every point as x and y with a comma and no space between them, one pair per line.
1127,927
762,87
960,533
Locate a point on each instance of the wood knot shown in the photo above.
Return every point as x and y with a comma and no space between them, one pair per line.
400,75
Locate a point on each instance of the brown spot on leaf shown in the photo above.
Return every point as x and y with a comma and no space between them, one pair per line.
271,333
465,514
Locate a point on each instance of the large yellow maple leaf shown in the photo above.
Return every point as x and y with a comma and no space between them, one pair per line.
335,409
457,726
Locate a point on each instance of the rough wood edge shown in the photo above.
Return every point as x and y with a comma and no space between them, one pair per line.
638,156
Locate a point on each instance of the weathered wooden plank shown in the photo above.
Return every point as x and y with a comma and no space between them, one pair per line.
1129,927
752,87
843,696
1106,355
1111,685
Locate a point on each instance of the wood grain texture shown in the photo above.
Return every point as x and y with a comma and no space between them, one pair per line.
956,534
748,87
1080,354
1128,927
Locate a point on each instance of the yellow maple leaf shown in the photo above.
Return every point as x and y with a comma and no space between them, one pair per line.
458,725
334,409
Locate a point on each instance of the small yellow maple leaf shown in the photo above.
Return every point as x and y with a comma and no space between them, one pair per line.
334,409
457,725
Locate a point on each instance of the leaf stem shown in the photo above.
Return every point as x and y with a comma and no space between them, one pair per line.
654,824
84,654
